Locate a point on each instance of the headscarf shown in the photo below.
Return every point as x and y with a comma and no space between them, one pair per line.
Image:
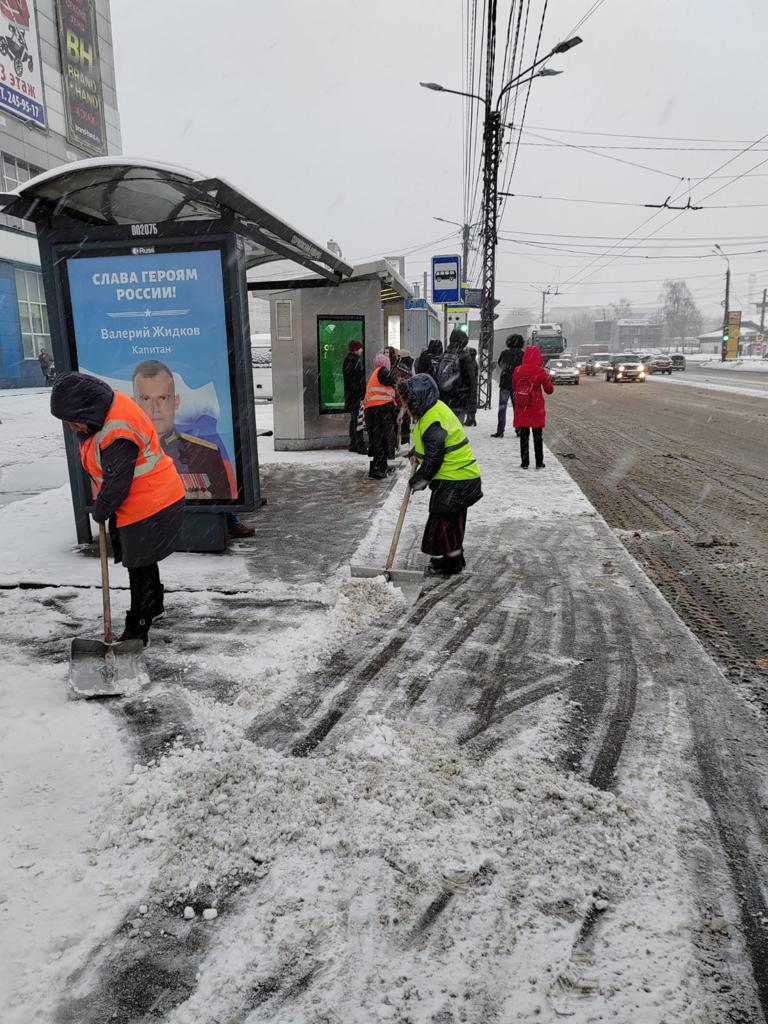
381,359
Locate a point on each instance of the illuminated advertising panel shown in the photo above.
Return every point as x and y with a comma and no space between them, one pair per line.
21,73
154,326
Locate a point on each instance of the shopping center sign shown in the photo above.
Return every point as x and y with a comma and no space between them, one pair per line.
21,73
81,71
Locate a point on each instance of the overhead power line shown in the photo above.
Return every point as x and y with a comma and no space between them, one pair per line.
652,138
608,202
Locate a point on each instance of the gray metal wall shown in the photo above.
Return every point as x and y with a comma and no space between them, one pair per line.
298,423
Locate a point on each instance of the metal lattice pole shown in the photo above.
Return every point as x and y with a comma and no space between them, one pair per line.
491,146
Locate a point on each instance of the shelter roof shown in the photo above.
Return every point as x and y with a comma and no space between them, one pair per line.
115,191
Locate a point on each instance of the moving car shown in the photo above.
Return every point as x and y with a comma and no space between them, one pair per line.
597,362
678,361
581,363
659,364
563,371
625,366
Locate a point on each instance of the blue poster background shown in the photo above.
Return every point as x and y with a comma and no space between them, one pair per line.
164,306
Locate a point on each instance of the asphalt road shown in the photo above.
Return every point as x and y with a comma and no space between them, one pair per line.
681,472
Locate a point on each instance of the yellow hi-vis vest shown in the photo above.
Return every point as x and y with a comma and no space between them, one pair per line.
459,462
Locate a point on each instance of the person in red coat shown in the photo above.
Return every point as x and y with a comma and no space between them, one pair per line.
530,412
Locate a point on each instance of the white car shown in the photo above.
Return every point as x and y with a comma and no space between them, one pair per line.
261,360
563,371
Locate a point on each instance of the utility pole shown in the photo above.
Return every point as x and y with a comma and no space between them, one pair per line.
465,251
761,306
544,293
491,147
724,349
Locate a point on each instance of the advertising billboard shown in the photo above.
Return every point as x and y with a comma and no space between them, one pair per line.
21,73
80,69
154,326
334,334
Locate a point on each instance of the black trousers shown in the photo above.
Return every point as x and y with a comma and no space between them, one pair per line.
538,445
146,591
378,420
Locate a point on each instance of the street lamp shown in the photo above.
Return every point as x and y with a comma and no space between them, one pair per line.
491,152
465,232
727,302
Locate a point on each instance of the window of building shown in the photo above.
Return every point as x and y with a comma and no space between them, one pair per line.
15,172
35,332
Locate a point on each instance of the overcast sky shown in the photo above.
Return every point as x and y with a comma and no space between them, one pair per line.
314,109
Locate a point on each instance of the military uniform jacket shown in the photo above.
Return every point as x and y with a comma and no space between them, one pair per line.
200,465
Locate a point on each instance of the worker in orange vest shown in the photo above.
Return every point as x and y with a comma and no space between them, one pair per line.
136,486
379,403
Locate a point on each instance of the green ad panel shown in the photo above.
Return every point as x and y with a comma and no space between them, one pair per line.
334,334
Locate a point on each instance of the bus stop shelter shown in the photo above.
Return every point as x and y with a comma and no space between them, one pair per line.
144,267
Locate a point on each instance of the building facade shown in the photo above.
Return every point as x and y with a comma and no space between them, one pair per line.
58,104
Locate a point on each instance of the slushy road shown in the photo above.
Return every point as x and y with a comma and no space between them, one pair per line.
681,473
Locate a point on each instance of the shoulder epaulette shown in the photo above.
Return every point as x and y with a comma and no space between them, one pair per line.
199,440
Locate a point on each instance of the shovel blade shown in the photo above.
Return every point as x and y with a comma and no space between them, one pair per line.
98,669
394,575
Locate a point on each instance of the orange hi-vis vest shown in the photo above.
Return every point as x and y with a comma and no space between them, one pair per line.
156,482
377,393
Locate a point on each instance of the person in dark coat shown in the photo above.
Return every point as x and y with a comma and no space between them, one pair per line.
465,377
509,360
353,370
471,420
429,358
46,366
87,405
393,435
447,465
402,371
528,382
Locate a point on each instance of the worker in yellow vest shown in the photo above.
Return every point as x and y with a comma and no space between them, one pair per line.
447,465
379,404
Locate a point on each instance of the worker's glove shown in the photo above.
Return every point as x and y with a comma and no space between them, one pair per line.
418,483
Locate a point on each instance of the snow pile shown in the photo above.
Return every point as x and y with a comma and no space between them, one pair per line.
401,877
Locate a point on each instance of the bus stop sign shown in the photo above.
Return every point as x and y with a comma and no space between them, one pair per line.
446,278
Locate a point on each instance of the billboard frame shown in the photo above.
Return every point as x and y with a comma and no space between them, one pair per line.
73,137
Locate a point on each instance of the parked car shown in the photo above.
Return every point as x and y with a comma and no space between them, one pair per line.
625,366
678,361
563,371
597,362
659,364
261,360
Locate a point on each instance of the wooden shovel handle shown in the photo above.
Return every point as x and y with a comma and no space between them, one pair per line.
105,583
399,527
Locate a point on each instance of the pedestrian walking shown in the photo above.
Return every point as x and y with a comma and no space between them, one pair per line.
447,465
136,486
528,382
471,420
378,404
393,431
508,361
353,371
429,358
456,374
47,368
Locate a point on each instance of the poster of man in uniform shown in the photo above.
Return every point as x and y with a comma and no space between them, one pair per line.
154,327
21,72
81,71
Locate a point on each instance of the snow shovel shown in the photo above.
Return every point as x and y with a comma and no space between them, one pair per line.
392,575
106,668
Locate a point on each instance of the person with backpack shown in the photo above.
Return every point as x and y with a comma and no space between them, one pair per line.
447,465
457,374
378,404
509,360
471,420
429,358
528,381
403,371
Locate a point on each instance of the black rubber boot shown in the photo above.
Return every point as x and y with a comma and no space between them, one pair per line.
499,433
136,628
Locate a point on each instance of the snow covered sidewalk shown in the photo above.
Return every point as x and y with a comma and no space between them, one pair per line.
478,807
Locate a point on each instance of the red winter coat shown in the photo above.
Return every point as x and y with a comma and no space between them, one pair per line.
533,413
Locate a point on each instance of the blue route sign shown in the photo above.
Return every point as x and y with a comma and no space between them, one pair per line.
446,278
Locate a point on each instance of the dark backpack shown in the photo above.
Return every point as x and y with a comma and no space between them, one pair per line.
448,373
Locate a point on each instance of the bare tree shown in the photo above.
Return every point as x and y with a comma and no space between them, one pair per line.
682,317
622,310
